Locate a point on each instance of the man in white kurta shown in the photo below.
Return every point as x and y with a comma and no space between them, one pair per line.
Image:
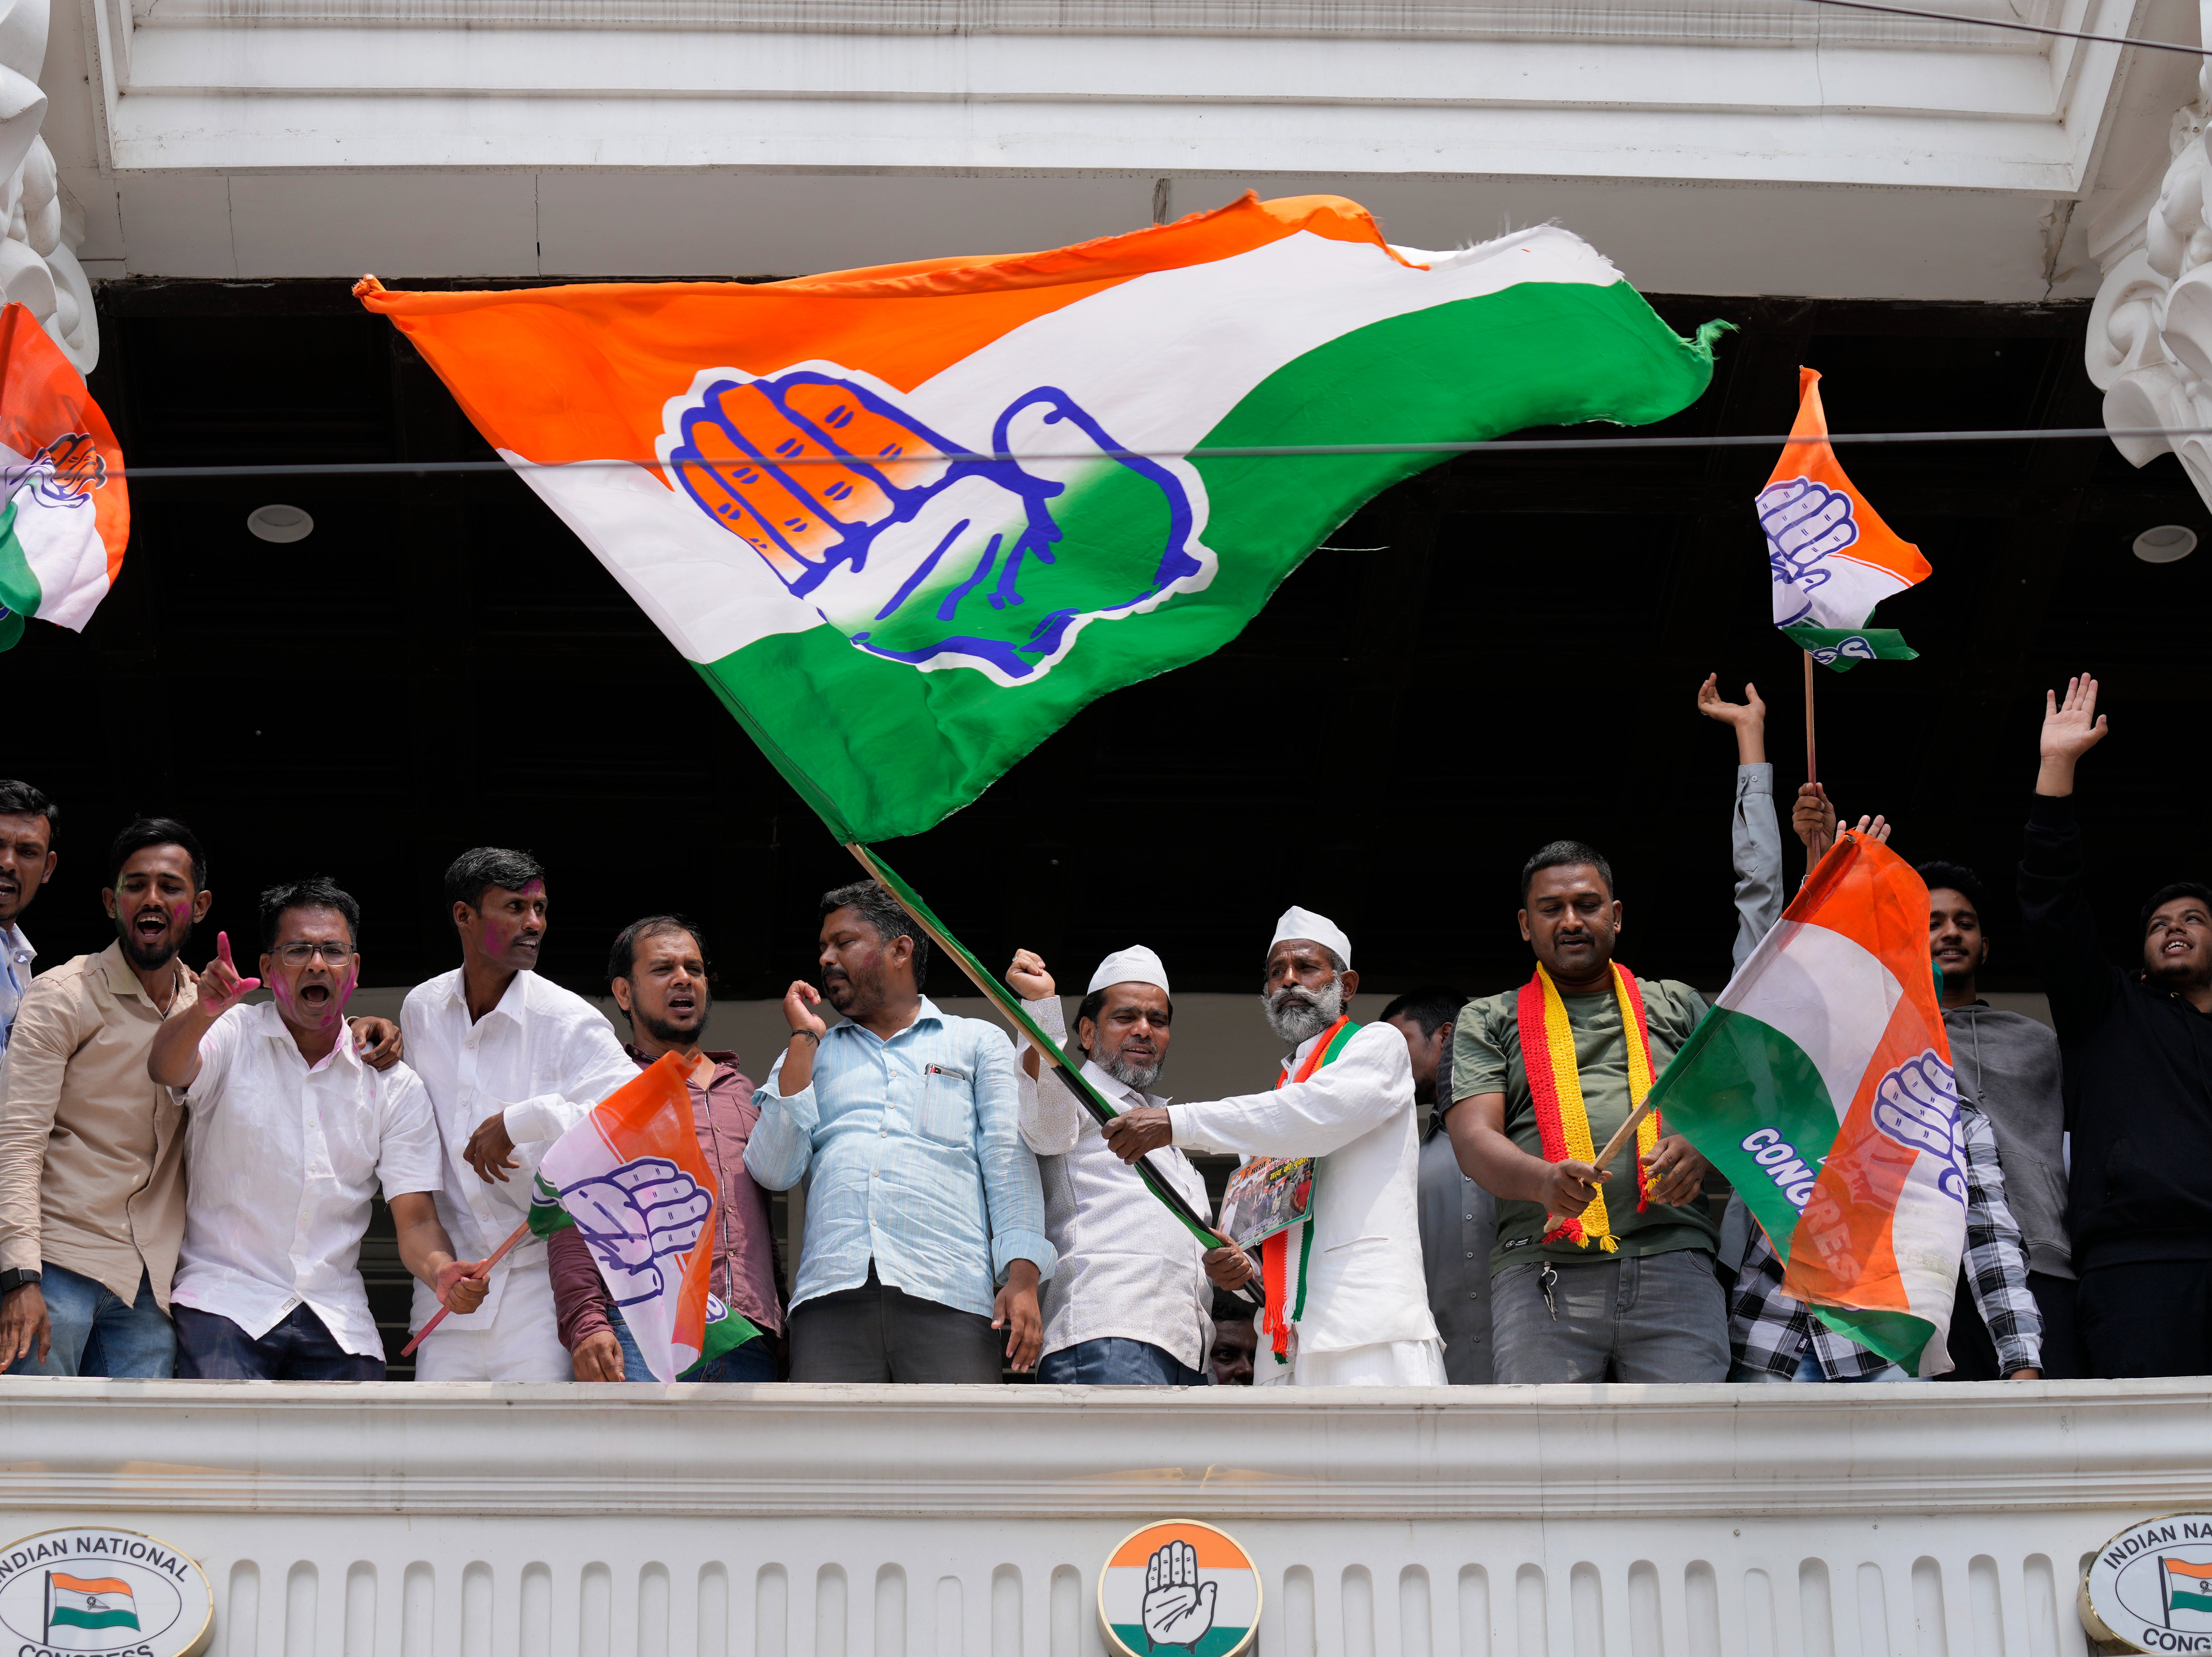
1129,1304
1365,1320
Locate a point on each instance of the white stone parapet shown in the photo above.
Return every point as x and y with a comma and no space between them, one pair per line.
444,1521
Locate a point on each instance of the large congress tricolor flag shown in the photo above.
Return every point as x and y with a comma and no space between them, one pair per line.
1821,1084
64,509
906,520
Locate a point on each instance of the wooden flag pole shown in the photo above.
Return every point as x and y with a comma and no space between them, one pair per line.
1812,766
1070,1070
444,1312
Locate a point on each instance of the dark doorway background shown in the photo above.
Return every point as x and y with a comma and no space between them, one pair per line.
442,665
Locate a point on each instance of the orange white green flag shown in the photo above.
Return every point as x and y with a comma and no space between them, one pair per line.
64,509
908,521
1821,1085
1832,557
630,1178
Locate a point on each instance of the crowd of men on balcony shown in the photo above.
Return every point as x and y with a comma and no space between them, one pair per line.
186,1175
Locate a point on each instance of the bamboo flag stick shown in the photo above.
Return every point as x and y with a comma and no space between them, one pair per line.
1009,1004
497,1255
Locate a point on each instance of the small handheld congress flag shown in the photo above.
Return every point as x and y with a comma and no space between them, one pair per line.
908,521
65,510
630,1177
1832,558
1821,1084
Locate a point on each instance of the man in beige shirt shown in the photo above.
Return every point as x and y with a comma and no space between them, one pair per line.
91,1195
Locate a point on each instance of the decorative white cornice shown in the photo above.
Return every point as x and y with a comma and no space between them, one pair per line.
1549,1452
40,226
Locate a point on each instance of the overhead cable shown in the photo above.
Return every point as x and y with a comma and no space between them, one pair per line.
2017,28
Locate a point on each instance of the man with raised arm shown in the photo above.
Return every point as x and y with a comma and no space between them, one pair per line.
290,1136
1347,1304
925,1221
2136,1043
513,1061
1600,1274
1128,1302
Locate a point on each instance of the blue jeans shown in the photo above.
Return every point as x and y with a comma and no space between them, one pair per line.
210,1347
94,1334
1116,1361
753,1361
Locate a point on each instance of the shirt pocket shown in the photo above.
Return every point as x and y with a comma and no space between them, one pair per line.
946,1114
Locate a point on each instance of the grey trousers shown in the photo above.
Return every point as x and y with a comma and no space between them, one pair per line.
878,1333
1654,1318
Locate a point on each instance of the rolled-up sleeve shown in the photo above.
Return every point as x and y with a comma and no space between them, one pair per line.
1013,1195
783,1142
30,1092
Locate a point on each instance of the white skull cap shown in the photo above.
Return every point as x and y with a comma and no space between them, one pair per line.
1304,923
1134,965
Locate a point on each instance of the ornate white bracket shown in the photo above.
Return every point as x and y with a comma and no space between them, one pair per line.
43,224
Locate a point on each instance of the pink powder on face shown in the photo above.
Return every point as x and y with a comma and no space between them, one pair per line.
333,1009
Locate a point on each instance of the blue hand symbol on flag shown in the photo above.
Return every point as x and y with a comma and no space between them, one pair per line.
1917,1106
637,1217
1805,522
986,561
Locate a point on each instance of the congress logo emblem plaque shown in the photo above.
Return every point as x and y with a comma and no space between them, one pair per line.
91,1592
1178,1588
2150,1589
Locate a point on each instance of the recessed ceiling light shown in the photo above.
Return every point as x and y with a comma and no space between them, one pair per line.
2166,544
283,524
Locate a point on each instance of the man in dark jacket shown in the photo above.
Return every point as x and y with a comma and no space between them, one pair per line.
2007,1065
2137,1047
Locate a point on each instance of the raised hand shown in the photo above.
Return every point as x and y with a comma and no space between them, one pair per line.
1875,829
640,1220
1747,718
2071,729
1813,819
1178,1607
799,1002
220,989
847,496
1028,978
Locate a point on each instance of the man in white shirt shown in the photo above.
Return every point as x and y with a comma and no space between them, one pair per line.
28,821
290,1133
1348,1304
513,1061
1127,1304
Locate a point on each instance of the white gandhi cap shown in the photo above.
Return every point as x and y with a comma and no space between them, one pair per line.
1304,923
1134,965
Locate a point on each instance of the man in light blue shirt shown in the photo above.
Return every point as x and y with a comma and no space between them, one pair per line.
925,1217
27,820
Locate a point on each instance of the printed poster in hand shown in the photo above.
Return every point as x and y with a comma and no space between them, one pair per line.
906,520
64,508
1832,557
1821,1085
630,1179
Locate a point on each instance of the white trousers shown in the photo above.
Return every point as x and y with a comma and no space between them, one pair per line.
1385,1363
521,1342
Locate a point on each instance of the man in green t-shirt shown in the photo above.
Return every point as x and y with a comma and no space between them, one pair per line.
1564,1305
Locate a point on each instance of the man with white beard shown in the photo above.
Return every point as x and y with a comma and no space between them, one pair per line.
1129,1304
1347,1301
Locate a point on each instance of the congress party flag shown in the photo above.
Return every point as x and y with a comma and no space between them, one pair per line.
630,1179
91,1603
1832,557
65,510
908,521
2188,1586
1821,1084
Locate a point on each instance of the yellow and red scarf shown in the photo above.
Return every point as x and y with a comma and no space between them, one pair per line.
1275,1252
1556,1086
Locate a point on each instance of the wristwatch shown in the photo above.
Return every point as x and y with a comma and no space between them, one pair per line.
13,1280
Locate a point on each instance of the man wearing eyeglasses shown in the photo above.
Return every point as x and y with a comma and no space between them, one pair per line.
290,1135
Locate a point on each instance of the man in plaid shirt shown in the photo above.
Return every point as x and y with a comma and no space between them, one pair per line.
1773,1336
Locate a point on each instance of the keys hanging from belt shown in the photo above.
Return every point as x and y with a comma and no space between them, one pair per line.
1547,1280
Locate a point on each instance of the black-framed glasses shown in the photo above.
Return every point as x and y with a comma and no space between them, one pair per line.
334,955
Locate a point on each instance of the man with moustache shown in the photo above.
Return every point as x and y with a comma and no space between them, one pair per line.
2137,1044
1346,1303
1128,1302
512,1061
925,1221
291,1135
1595,1277
657,974
29,822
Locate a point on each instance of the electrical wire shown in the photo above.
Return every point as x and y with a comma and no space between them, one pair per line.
1241,452
2017,28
